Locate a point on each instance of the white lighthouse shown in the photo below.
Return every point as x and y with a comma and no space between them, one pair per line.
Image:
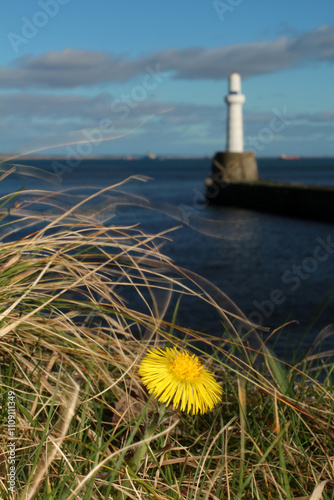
234,101
234,164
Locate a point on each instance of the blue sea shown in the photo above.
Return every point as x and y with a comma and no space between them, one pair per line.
276,269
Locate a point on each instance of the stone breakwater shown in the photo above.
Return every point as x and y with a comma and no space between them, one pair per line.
289,199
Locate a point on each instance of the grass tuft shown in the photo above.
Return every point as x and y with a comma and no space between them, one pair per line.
80,304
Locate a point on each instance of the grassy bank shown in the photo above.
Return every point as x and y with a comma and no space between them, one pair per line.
71,344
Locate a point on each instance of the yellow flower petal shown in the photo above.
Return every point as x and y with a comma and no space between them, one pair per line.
179,378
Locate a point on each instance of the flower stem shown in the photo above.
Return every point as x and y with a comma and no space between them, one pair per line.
134,463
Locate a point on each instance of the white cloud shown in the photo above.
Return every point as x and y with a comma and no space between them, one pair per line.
60,119
36,117
72,68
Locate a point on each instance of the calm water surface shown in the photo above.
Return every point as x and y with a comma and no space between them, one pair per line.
276,269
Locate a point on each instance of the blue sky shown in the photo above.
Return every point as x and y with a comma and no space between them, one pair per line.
123,78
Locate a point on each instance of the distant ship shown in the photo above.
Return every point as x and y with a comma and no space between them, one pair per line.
150,156
285,157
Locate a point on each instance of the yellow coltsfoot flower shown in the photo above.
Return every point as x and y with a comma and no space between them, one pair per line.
180,378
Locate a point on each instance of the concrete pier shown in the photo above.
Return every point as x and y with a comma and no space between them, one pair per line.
234,176
289,199
228,166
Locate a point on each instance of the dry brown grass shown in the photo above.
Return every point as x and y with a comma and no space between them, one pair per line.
81,300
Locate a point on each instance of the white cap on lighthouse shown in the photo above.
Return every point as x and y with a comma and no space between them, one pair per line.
234,101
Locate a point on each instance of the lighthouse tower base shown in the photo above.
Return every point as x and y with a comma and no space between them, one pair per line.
230,167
